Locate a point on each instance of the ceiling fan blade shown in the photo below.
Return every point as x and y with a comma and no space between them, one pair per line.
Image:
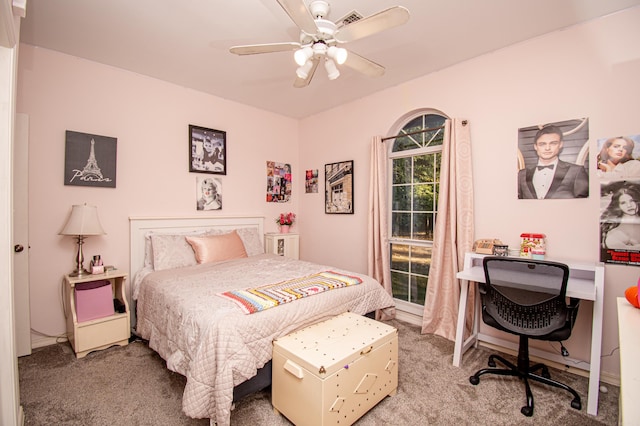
375,23
304,82
364,65
254,49
300,15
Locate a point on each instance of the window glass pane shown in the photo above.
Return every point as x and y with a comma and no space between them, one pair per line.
400,285
433,120
420,260
405,143
423,197
434,137
402,170
424,168
423,226
401,225
400,257
414,125
402,197
418,289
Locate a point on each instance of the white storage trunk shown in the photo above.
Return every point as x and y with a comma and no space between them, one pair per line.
333,372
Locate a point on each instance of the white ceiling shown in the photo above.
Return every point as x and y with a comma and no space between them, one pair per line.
187,42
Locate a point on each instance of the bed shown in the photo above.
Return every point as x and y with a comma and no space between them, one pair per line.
185,286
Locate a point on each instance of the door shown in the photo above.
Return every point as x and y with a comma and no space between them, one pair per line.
21,235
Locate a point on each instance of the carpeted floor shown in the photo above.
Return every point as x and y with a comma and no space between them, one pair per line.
131,385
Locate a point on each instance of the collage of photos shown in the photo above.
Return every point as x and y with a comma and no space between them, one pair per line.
278,182
618,168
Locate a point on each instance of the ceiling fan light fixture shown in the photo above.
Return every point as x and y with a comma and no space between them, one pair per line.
319,48
303,71
338,54
302,55
332,70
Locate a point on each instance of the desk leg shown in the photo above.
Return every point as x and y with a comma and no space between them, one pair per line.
596,350
462,309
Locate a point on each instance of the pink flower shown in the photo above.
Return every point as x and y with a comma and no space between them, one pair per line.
286,218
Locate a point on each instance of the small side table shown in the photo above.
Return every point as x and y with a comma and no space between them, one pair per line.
287,245
98,333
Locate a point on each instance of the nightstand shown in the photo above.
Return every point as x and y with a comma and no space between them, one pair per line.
100,333
286,245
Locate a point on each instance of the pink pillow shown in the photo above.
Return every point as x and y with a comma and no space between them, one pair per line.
216,248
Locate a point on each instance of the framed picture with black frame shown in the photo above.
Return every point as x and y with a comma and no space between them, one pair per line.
338,188
207,150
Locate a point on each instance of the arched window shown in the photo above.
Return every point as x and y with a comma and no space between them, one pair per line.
414,161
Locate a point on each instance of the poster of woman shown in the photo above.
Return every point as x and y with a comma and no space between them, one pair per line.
620,222
618,157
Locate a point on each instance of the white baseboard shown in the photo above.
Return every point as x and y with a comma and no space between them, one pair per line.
42,341
408,317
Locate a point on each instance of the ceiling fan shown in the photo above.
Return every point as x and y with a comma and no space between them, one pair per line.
320,39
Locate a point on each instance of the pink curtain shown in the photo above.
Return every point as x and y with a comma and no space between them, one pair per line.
378,265
453,235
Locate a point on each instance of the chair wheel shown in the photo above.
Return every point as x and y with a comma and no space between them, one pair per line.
576,404
527,411
474,380
545,373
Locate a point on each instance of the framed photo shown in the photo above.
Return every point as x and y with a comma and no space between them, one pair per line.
207,150
208,193
90,160
338,188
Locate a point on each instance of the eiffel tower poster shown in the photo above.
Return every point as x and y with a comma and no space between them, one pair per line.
90,160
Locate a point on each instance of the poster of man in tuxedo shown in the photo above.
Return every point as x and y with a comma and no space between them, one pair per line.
553,160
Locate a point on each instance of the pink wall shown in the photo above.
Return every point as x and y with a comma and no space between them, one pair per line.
150,119
586,71
590,70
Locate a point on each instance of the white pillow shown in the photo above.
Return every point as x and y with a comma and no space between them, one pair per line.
171,251
251,240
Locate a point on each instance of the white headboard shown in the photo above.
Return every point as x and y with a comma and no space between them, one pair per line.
140,226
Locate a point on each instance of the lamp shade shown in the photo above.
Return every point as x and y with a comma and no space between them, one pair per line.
332,70
338,54
302,55
303,71
83,220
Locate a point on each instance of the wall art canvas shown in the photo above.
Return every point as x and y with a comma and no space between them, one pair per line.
208,193
553,160
311,181
278,182
207,150
338,187
90,160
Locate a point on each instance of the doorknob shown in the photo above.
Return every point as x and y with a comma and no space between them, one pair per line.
18,248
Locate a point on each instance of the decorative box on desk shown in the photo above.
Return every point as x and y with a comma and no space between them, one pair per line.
286,245
92,321
333,372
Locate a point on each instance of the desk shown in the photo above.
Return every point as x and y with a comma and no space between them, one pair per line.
586,282
628,326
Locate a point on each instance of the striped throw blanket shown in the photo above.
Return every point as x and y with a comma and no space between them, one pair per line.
252,300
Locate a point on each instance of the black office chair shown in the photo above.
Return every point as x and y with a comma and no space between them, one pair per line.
527,298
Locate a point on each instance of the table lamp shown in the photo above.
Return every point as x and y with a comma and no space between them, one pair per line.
83,221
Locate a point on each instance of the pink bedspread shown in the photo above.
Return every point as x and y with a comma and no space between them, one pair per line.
213,343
